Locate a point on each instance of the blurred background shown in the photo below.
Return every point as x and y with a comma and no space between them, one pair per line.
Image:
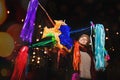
77,14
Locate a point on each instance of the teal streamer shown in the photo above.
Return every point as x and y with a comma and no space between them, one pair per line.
100,50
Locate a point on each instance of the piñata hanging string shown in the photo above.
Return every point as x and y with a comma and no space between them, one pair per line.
53,23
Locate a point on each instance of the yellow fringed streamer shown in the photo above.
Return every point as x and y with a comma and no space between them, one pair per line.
55,31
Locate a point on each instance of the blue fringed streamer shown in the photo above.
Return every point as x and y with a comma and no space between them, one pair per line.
100,51
28,27
65,36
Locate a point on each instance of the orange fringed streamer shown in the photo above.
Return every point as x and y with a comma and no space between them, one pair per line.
20,64
76,56
60,52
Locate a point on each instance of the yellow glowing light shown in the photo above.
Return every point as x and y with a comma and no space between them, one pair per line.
106,38
37,48
38,62
33,56
33,60
22,20
37,39
107,29
38,58
41,32
39,26
34,53
8,12
117,33
113,49
45,52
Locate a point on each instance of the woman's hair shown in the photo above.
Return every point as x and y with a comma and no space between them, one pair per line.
88,38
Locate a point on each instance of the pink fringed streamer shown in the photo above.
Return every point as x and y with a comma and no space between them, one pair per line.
20,64
75,76
107,57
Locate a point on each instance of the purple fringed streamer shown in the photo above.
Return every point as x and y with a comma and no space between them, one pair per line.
28,27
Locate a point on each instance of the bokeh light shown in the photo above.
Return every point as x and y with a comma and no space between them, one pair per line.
14,30
4,72
3,11
6,44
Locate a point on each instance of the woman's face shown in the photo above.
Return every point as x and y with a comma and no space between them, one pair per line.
83,40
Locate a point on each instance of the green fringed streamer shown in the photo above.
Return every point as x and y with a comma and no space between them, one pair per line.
47,41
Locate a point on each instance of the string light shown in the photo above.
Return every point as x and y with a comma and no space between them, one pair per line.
39,26
107,29
37,39
45,52
37,48
106,38
8,12
38,62
113,49
33,60
117,33
34,53
33,56
22,20
41,32
93,35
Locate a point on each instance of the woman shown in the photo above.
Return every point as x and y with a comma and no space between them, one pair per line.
83,61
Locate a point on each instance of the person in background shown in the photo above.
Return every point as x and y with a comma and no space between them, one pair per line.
83,61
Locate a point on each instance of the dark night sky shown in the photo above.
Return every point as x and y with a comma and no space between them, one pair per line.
76,13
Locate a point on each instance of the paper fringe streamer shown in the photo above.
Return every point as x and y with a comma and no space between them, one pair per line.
65,39
20,64
55,31
100,51
28,27
45,42
76,56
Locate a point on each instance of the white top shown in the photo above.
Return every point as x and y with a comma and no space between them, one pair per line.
85,65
